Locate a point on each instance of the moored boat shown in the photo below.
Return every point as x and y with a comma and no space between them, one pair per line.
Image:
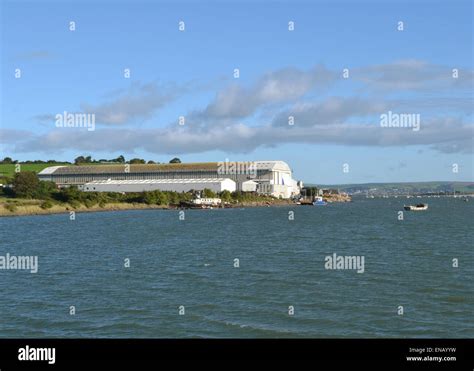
418,207
318,201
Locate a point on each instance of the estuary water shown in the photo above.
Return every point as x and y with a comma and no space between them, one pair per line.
183,279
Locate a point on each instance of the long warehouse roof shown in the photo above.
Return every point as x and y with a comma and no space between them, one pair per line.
151,168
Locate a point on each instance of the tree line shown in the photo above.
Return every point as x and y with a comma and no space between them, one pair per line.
88,160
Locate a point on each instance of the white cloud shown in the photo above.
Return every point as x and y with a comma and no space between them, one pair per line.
444,135
412,75
139,102
348,121
282,86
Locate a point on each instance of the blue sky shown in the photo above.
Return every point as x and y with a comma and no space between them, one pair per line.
282,73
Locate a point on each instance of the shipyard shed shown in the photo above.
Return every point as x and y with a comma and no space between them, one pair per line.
175,185
273,178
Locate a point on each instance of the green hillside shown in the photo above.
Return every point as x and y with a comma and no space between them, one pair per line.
8,170
409,187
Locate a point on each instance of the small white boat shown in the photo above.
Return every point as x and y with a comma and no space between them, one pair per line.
419,207
318,201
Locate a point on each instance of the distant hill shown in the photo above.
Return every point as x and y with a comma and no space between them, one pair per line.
401,188
8,170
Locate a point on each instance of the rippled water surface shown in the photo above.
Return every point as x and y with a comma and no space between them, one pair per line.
190,263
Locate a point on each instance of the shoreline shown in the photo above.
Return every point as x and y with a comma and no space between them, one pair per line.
29,210
35,209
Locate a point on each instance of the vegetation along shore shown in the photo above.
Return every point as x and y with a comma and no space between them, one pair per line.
29,196
23,193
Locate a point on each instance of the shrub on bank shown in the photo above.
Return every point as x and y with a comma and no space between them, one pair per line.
225,196
45,190
90,203
11,207
46,205
25,184
75,204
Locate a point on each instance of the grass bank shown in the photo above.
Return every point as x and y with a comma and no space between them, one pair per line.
20,207
23,207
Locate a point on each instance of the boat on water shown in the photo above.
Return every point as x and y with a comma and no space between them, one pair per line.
203,203
418,207
318,201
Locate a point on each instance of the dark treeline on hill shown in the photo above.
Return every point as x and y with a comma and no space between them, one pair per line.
88,160
10,161
26,185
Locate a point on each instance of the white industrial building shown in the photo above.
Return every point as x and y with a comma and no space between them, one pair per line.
275,178
263,177
176,185
249,186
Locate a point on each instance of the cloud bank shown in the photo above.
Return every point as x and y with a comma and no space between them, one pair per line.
240,119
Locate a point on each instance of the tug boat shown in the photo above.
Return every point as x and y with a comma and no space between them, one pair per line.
418,207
